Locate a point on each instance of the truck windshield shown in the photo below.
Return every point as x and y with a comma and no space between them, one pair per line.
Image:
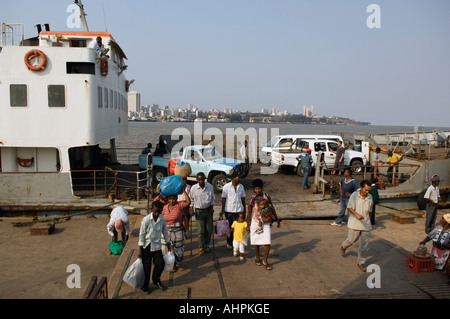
273,141
211,153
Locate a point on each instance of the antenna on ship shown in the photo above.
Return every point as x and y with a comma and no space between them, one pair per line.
82,14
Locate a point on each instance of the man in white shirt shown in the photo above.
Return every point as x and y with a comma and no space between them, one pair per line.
244,154
432,197
359,206
202,205
233,203
153,227
119,223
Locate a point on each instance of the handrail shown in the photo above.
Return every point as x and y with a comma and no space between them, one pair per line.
108,182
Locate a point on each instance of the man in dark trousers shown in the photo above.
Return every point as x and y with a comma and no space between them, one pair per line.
346,186
152,227
233,203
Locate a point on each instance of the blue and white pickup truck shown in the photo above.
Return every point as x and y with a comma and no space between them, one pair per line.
201,158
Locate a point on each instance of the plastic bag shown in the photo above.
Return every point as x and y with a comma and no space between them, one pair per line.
135,276
244,240
116,247
222,228
169,259
171,185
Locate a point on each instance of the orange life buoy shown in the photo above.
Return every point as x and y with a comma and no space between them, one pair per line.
127,85
104,66
32,54
25,162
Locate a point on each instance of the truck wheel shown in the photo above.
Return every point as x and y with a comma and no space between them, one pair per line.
159,174
218,182
356,166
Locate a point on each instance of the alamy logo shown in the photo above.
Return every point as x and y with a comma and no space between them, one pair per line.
374,20
374,280
74,280
73,20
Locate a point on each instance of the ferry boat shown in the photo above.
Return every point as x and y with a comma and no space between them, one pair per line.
62,94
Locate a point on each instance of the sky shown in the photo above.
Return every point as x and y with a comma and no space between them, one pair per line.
254,54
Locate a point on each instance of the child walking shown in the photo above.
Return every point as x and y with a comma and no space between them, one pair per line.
239,226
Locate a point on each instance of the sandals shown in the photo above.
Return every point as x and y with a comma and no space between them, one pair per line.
268,266
258,262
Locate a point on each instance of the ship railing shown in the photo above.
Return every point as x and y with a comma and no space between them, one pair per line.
128,155
103,183
382,174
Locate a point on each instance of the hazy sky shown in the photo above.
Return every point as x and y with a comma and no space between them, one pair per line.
254,54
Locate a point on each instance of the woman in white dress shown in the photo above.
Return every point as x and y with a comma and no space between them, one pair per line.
260,236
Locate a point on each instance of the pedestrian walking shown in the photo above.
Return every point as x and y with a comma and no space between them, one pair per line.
173,213
359,206
238,229
260,238
432,197
305,161
244,155
153,226
375,198
339,161
202,206
346,187
233,203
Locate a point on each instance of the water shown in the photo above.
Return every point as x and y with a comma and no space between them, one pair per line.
141,133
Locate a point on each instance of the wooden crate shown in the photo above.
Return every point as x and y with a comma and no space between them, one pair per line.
403,218
42,229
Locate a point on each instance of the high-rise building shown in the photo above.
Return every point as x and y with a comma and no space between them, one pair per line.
134,102
308,111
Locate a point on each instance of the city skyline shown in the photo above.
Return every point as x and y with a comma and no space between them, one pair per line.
262,54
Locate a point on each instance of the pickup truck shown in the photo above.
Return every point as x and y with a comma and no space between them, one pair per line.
201,158
284,142
283,157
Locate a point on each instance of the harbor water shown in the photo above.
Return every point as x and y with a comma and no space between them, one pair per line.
141,133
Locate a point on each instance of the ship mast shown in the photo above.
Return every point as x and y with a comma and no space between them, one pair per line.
82,15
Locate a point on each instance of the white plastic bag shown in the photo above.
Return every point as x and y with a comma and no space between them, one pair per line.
135,276
245,239
169,259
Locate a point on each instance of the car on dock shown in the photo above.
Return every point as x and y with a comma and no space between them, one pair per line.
288,157
202,158
284,142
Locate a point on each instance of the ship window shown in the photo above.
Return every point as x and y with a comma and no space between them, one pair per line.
111,98
115,100
80,68
100,96
56,96
18,95
106,97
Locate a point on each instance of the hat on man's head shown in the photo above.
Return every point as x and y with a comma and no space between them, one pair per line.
118,225
389,151
435,179
309,150
447,217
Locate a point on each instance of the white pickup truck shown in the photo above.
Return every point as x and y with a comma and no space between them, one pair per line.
287,157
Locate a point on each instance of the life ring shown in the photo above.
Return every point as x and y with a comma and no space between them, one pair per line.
127,85
104,66
25,162
30,55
